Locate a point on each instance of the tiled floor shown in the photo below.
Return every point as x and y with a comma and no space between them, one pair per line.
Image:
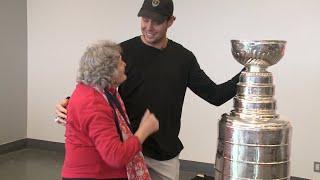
34,164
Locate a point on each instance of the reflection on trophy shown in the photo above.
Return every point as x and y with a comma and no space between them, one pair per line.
254,142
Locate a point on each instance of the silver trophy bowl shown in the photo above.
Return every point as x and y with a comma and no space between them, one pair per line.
262,53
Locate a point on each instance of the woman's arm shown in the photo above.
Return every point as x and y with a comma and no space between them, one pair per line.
100,127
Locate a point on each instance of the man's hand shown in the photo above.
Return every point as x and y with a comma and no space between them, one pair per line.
61,112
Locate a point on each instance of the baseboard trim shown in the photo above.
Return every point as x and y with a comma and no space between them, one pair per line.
45,145
32,144
198,167
298,178
208,168
13,146
185,165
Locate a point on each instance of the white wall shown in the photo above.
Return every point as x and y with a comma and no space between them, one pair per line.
13,70
58,32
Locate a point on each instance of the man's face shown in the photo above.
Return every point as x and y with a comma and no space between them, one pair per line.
154,32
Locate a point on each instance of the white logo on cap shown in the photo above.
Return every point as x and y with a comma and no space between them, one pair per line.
155,3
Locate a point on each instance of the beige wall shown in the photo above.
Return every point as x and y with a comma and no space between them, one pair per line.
58,32
13,70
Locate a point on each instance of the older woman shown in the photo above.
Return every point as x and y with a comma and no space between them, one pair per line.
99,143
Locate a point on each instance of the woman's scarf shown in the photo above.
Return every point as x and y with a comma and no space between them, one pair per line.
136,168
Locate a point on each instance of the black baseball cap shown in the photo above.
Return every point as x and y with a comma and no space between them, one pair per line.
158,10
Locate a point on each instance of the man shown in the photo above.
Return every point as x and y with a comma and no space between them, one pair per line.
159,70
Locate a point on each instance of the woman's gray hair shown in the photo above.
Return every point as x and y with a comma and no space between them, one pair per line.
99,64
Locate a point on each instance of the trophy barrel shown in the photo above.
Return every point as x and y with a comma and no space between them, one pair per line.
253,150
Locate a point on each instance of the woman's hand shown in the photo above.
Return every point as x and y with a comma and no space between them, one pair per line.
149,124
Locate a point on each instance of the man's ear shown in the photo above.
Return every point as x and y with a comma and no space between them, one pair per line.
171,20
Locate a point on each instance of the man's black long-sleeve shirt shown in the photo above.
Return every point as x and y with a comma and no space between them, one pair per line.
157,80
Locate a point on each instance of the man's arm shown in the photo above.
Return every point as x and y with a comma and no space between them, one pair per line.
61,111
203,86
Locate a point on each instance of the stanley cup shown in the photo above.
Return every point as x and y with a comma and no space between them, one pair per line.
254,142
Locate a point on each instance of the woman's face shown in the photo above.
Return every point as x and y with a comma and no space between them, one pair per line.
121,77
